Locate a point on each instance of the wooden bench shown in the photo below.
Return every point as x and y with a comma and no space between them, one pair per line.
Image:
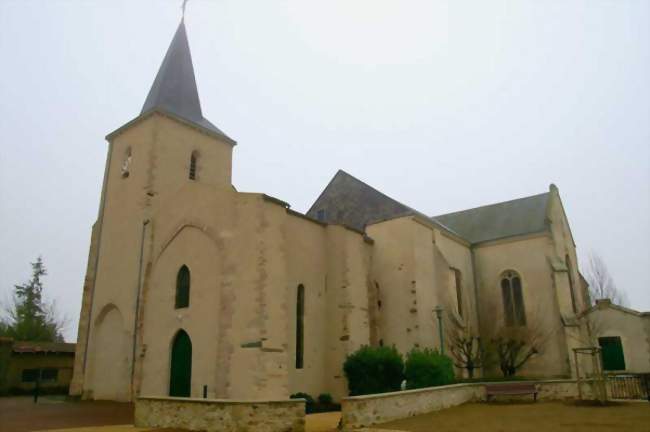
511,389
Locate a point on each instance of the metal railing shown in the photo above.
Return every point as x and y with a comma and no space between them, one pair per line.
628,386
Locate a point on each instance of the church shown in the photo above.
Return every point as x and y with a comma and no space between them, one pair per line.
194,289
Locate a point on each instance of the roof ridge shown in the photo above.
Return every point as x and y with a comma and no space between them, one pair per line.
409,209
374,189
490,205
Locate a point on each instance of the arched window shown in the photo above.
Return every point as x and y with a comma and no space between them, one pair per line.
300,326
193,159
180,374
183,288
513,299
459,290
571,288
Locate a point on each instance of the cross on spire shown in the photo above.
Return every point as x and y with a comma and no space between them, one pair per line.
183,8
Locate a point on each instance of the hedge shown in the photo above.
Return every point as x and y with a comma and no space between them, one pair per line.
427,368
372,370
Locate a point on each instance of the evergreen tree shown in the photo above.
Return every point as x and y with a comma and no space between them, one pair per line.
30,318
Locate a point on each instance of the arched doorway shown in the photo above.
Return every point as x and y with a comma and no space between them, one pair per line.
180,374
110,357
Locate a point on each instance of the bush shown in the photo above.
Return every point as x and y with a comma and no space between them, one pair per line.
325,399
374,370
309,406
427,368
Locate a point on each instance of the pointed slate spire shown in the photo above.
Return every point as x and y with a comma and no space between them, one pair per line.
174,90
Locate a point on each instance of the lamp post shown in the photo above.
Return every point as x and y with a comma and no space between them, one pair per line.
438,310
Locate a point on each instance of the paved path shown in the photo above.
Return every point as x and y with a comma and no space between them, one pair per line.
20,414
323,422
119,428
55,414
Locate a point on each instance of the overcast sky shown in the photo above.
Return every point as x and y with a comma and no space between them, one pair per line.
442,105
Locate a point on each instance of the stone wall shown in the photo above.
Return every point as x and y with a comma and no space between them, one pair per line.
214,415
361,411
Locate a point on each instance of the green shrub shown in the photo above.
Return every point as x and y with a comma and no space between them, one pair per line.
325,399
374,370
427,368
309,406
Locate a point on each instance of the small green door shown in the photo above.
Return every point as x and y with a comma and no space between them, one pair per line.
180,376
613,358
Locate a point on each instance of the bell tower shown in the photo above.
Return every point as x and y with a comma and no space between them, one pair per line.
169,147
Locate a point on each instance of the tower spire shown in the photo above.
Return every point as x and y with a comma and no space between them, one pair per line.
174,90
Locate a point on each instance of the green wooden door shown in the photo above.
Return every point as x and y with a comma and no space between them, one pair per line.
180,375
613,358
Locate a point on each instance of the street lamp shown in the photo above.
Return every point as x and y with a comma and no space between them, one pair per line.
438,310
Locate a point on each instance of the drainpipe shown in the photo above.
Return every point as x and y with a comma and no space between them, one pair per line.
137,302
476,305
438,310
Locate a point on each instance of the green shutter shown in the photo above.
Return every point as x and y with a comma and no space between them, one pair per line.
613,358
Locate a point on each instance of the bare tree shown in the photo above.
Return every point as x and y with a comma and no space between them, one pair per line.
510,347
514,346
465,348
601,283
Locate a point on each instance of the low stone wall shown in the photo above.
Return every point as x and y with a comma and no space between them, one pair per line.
217,415
361,411
563,389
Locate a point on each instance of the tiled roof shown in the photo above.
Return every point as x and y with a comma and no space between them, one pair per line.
506,219
43,347
349,201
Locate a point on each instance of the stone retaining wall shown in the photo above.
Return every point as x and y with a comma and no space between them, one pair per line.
360,411
213,415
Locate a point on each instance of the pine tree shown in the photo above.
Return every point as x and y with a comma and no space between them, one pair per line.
30,319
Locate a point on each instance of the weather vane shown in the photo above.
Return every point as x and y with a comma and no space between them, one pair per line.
183,8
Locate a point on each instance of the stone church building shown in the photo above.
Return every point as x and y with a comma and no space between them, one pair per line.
194,288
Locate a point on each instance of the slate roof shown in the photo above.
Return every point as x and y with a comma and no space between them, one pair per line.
506,219
346,200
349,201
43,347
174,90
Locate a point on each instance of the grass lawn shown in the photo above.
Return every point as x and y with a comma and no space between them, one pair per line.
529,417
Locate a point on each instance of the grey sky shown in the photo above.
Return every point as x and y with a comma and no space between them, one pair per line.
443,106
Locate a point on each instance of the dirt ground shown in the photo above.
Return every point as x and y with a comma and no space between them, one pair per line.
20,414
530,417
323,422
